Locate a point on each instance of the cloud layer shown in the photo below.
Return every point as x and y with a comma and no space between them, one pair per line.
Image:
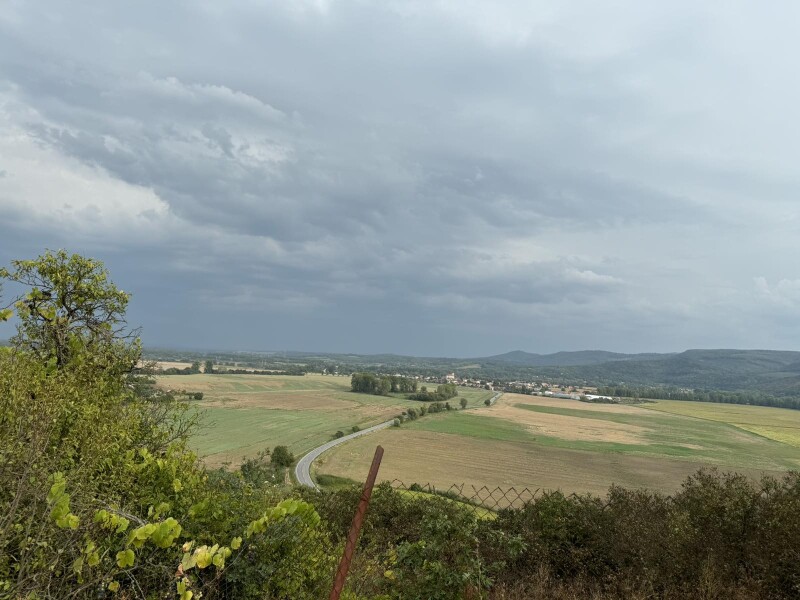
428,178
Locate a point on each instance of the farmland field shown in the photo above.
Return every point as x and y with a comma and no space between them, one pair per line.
780,424
244,414
552,443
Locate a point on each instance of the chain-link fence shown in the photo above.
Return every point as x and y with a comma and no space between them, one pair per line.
484,501
300,555
718,537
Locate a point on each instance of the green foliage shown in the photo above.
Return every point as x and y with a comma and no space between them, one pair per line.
443,392
71,305
281,457
58,499
367,383
258,471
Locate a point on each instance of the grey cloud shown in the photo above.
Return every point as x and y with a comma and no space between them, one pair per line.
367,159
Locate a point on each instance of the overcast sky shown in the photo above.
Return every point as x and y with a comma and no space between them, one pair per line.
434,178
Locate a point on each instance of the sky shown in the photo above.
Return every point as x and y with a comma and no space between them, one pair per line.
437,178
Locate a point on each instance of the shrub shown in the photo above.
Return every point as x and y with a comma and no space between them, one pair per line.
281,457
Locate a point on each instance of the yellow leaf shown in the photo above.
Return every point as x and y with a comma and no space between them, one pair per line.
125,558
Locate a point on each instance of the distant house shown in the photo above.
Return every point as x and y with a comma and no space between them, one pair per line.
450,377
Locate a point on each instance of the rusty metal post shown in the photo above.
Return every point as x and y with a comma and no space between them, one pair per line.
355,528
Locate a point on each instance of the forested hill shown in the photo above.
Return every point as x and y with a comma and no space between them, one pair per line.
568,359
769,371
766,372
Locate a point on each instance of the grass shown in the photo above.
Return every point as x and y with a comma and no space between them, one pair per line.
778,424
674,435
521,441
244,414
664,442
440,460
333,482
479,511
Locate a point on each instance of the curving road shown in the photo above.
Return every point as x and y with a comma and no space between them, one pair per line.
303,469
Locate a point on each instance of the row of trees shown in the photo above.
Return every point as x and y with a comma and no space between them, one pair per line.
194,368
443,392
381,385
673,393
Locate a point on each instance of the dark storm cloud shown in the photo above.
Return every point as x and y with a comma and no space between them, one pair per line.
449,169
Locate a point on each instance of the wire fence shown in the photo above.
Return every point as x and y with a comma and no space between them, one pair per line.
299,558
484,501
482,542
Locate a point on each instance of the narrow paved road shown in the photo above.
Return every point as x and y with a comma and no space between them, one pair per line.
303,469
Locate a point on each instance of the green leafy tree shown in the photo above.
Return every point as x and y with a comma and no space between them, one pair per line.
70,306
463,403
281,457
5,313
209,366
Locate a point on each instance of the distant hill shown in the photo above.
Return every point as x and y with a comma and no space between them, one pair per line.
568,359
769,371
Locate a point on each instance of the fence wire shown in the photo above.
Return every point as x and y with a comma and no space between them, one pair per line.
480,500
484,542
297,560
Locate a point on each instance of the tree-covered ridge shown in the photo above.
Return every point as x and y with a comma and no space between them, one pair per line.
764,374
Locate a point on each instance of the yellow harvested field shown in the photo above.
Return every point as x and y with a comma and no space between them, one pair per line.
785,435
779,424
568,427
318,401
166,364
442,460
512,399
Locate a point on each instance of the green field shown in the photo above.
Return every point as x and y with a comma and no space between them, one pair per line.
575,446
778,424
667,435
244,414
521,441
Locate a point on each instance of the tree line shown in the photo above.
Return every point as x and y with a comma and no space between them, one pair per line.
723,397
443,391
381,385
